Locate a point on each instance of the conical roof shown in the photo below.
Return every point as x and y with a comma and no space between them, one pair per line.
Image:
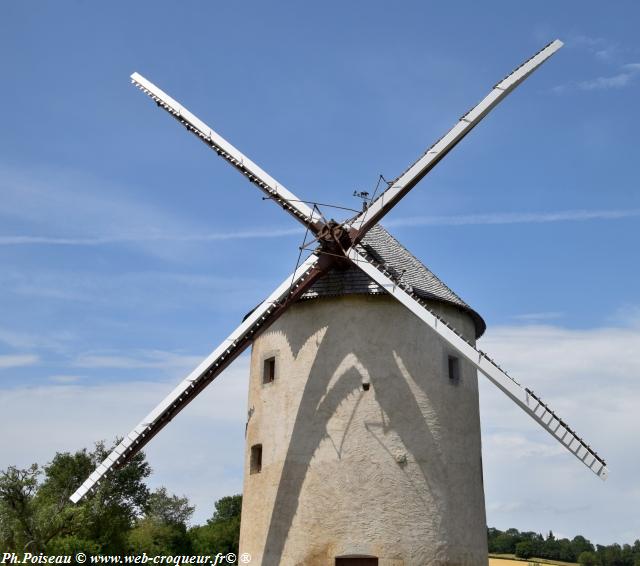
396,258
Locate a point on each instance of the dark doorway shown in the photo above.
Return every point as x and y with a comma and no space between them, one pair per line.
357,561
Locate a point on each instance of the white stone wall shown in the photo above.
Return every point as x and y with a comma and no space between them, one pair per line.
393,472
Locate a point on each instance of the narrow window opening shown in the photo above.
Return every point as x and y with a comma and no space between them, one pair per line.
454,368
269,370
357,561
255,464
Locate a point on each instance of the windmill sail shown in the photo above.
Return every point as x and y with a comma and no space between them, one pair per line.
405,182
522,396
267,184
190,387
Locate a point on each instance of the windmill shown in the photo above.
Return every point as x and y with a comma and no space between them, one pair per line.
363,434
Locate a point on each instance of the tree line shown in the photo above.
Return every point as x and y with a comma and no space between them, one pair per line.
121,517
579,549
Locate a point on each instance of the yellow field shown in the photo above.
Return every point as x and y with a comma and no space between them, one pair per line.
511,560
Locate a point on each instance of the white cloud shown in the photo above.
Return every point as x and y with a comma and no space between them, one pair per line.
532,317
43,197
65,378
606,52
86,211
18,360
152,359
150,238
601,48
583,41
603,83
102,214
515,218
28,340
127,289
552,354
627,316
590,378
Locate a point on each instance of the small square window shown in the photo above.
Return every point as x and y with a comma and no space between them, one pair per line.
255,462
269,370
454,368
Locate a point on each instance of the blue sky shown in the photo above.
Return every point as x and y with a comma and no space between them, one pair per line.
129,250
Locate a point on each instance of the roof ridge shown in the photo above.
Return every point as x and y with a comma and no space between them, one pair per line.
400,260
416,260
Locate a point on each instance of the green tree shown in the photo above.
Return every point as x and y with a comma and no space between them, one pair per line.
169,509
525,549
19,527
159,539
588,558
70,544
579,544
610,555
105,516
565,551
222,531
627,555
37,515
163,529
228,508
492,534
505,543
551,547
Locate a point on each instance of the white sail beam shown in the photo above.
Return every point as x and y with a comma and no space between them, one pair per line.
267,184
207,371
405,182
522,396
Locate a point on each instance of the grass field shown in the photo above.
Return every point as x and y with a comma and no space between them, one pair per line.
511,560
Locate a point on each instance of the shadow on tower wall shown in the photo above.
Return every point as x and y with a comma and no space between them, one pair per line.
323,393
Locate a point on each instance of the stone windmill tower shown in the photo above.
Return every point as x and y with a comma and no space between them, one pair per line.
363,430
365,440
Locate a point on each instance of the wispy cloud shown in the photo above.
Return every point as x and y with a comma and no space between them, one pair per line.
75,200
516,217
149,238
619,80
600,47
538,316
604,52
450,220
73,208
146,359
119,293
627,315
18,360
65,379
549,353
29,341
